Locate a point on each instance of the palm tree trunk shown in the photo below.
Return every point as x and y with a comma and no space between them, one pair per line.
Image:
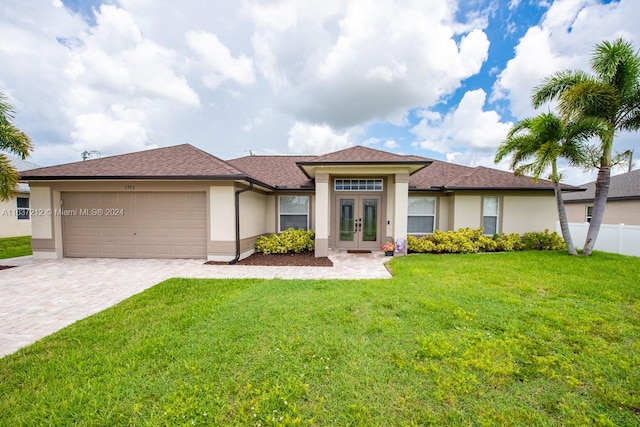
564,223
599,204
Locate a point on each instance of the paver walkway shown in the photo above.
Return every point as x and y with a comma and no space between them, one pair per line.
40,297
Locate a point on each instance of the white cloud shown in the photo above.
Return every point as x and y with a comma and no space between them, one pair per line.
316,139
117,131
563,40
468,127
217,62
391,144
116,58
354,63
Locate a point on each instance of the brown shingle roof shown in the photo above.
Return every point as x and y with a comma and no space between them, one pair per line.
180,161
623,186
360,154
188,162
277,171
456,177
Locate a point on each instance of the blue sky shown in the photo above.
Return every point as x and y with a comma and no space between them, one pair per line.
439,78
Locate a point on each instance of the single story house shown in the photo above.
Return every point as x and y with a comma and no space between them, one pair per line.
623,201
15,213
181,202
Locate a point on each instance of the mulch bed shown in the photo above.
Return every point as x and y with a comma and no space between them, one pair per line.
4,267
304,259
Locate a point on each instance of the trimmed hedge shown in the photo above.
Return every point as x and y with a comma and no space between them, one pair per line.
289,241
467,240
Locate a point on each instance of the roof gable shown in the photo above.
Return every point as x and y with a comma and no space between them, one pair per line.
360,154
179,161
363,156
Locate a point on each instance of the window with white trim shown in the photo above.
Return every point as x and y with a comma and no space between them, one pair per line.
358,184
589,213
293,212
22,203
490,215
422,215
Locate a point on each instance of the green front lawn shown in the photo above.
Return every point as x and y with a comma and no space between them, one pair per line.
526,338
11,247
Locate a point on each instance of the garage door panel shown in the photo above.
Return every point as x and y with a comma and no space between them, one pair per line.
154,225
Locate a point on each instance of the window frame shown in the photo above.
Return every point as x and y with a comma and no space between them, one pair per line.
496,216
358,184
307,214
433,215
23,213
588,215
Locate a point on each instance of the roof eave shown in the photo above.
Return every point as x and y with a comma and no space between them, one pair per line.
420,164
149,178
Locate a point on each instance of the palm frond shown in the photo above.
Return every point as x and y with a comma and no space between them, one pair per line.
589,99
554,85
617,64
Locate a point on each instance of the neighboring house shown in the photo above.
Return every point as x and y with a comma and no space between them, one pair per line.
623,201
15,213
181,202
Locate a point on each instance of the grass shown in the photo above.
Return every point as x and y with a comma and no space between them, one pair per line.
529,338
11,247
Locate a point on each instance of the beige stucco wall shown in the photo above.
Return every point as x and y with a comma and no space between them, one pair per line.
391,204
10,225
519,211
253,219
466,212
576,212
528,212
442,212
222,213
617,212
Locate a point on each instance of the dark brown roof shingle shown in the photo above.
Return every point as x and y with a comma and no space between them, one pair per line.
457,177
360,154
177,161
623,186
277,171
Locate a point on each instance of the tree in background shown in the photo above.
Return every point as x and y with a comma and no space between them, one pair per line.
535,144
14,141
611,94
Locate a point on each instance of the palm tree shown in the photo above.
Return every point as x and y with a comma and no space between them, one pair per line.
611,93
14,141
537,143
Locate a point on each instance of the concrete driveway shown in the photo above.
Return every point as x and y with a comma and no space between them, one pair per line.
40,297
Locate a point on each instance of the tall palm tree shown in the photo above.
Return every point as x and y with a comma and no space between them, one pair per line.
611,93
536,143
14,141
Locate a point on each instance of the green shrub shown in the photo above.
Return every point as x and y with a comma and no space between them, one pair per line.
543,241
288,241
467,240
420,244
509,242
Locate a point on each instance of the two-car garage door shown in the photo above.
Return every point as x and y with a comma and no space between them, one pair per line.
135,224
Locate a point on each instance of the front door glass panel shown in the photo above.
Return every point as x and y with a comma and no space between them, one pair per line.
369,220
347,220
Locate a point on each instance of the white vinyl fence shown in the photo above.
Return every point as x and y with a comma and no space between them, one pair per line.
616,238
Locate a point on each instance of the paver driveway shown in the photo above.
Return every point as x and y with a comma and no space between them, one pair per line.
40,297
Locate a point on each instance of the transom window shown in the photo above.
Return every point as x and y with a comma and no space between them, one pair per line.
358,184
293,212
422,215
